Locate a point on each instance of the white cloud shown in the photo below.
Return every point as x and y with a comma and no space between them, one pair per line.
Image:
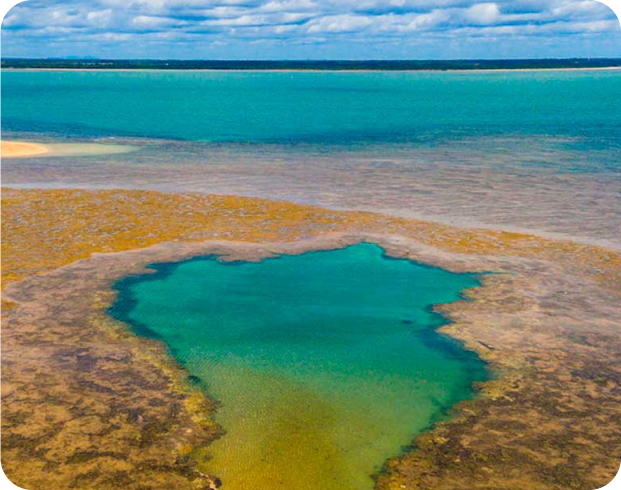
288,6
483,14
427,21
339,23
155,23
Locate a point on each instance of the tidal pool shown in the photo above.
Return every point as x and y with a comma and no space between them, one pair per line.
326,363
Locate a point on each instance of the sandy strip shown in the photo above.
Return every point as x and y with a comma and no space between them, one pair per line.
20,149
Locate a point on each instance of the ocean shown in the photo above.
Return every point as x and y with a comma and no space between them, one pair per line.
532,151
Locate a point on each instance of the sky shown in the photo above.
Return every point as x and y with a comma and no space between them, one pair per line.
311,29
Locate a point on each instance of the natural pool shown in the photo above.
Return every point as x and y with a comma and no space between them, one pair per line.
326,363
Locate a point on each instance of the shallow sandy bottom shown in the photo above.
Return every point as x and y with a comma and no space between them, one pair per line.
88,149
474,183
85,401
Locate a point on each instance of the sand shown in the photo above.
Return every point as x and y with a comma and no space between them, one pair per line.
20,149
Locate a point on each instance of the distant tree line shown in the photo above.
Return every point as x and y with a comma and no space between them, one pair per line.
390,65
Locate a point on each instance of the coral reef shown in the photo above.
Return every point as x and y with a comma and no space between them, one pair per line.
88,405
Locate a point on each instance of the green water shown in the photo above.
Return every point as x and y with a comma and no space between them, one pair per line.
326,364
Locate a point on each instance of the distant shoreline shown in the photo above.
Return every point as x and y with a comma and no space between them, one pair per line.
313,65
301,70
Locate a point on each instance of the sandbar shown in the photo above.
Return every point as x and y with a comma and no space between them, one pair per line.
21,149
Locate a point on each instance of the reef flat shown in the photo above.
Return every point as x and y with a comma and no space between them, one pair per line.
88,405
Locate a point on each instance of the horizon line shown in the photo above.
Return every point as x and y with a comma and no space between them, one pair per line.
309,60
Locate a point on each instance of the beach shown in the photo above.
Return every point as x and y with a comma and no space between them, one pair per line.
537,320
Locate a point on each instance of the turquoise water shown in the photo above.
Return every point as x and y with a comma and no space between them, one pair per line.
325,107
326,363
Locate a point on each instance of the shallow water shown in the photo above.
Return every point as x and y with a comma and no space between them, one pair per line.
326,363
86,149
537,151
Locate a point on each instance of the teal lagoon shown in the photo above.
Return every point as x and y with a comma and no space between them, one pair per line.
326,364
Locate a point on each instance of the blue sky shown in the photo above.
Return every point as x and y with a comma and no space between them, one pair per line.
311,29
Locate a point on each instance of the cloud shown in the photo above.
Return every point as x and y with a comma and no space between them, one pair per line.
361,28
340,23
482,14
